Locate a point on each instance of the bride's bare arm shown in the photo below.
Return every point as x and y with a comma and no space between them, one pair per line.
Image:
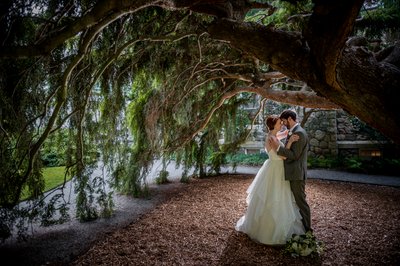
268,141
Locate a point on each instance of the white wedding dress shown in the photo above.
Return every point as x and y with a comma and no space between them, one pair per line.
272,215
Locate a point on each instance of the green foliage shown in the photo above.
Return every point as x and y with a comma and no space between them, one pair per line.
287,16
381,166
104,198
326,162
162,177
200,153
140,156
256,159
184,157
131,98
84,189
217,159
375,165
381,15
35,183
353,164
52,177
56,207
53,152
51,159
20,101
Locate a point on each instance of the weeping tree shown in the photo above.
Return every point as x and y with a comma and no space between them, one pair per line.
127,82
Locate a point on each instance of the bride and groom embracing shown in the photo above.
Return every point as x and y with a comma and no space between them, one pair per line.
277,206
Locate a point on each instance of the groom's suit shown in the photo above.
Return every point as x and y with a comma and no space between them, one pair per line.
296,171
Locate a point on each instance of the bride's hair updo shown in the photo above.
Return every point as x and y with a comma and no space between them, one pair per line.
271,121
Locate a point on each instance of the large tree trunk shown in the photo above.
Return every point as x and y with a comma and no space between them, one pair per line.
347,75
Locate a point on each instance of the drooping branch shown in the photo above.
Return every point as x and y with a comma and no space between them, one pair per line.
109,61
113,10
303,98
259,111
62,94
262,83
307,99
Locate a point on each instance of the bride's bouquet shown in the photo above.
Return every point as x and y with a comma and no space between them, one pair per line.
304,245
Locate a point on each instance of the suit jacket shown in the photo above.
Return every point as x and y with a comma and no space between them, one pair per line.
296,157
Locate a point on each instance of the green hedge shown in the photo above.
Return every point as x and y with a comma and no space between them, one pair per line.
247,159
373,166
377,166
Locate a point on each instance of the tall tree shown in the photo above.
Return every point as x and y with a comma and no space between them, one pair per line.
173,73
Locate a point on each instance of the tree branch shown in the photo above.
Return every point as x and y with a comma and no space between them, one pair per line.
61,98
259,111
307,99
104,12
328,29
266,44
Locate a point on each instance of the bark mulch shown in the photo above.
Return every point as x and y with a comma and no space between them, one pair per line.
358,223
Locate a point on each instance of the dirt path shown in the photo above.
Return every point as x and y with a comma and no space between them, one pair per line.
358,223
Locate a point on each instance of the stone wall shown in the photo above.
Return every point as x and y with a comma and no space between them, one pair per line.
355,138
336,133
321,129
350,128
332,134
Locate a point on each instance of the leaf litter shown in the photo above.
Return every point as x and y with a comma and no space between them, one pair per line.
358,223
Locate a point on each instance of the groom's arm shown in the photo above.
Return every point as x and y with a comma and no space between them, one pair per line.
295,150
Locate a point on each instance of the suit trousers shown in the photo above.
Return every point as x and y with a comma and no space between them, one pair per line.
298,189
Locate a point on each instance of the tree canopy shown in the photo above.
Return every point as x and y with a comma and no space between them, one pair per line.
125,82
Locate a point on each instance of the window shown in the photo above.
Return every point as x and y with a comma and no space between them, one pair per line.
370,153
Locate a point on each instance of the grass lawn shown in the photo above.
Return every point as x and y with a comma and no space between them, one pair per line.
53,177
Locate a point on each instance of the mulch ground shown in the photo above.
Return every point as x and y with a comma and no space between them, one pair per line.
359,225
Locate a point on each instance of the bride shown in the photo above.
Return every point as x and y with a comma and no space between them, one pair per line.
272,215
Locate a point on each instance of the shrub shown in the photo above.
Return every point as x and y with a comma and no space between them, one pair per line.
162,178
52,159
247,159
383,166
217,159
327,162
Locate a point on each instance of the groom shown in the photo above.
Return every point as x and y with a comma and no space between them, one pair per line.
295,163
